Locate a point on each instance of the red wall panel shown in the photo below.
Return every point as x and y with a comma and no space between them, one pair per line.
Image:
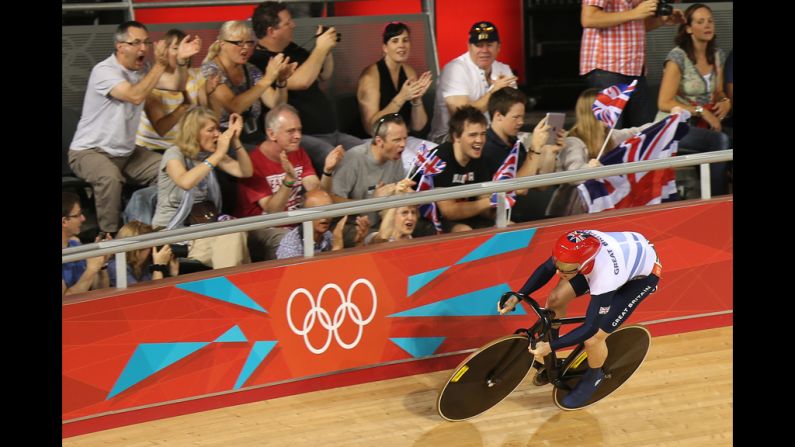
441,293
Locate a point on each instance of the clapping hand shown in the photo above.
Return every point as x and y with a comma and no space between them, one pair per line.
189,46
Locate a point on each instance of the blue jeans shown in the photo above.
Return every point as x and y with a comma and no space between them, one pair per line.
641,107
705,140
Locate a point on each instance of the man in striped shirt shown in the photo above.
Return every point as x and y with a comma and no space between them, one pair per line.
613,50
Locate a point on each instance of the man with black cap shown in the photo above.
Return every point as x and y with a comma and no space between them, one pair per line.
471,78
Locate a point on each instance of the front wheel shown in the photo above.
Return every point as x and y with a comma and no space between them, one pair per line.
485,378
626,349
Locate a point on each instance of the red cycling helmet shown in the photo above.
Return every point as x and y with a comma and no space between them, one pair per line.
576,247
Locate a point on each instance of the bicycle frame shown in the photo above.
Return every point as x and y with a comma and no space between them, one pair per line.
542,331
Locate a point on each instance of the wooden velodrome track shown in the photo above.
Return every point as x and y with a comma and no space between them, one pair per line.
681,395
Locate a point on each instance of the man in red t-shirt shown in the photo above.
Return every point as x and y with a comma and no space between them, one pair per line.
283,173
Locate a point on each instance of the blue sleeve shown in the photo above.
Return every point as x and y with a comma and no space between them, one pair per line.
591,325
540,276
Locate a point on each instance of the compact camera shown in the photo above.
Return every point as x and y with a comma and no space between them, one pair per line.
325,28
664,8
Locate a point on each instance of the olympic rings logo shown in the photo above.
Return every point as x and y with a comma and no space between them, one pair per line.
319,314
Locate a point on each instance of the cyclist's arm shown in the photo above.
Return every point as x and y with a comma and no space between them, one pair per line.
590,327
540,276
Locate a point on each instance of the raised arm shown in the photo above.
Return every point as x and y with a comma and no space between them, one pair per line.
137,93
309,71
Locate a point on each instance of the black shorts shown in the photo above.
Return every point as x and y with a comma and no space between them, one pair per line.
626,299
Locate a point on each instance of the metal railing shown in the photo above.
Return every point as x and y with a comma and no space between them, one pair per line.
307,215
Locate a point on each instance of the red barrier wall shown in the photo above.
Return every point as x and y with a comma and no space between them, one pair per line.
259,325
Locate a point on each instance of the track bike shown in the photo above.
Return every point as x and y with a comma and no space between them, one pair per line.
493,371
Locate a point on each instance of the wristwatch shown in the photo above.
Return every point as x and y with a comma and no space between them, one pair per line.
699,110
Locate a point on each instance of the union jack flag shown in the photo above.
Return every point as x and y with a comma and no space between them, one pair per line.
429,210
427,162
657,141
507,171
610,102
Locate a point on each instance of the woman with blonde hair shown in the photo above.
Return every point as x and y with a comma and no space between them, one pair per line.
188,190
146,264
583,143
242,87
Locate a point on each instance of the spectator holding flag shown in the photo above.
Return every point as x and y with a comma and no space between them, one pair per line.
583,145
693,80
374,169
613,49
507,110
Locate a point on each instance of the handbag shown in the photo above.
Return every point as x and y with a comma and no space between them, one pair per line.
202,213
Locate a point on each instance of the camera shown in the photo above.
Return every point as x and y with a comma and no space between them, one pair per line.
179,250
664,8
325,28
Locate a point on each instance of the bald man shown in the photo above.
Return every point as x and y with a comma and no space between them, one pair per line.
292,244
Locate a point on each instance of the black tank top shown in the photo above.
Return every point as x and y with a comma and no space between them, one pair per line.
388,90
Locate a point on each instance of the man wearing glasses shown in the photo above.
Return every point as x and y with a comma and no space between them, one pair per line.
274,27
619,269
470,79
103,151
78,276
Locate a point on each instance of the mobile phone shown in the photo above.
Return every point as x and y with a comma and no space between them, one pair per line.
555,120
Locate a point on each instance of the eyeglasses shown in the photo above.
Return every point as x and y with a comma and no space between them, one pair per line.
241,43
137,43
390,116
74,216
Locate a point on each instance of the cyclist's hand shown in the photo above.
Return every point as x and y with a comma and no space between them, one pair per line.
509,305
542,350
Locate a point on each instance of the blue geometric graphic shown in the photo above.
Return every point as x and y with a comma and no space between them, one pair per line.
418,281
259,351
150,358
221,289
477,303
419,346
499,244
496,245
232,335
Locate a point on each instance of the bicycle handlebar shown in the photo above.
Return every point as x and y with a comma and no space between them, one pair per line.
542,315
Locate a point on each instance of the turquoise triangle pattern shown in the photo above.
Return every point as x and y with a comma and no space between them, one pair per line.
259,351
221,289
418,281
150,358
500,243
478,303
418,346
232,335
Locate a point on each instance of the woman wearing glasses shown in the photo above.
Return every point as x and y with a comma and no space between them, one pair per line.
392,86
187,188
243,88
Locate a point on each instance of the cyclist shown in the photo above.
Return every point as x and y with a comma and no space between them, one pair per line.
619,269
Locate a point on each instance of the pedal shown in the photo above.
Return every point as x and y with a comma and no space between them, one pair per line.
541,377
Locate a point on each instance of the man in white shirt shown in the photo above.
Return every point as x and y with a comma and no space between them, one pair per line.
470,79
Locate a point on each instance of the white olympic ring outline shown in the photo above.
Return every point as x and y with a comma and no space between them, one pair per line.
346,307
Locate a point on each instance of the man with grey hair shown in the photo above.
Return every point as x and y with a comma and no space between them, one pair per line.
103,151
283,173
